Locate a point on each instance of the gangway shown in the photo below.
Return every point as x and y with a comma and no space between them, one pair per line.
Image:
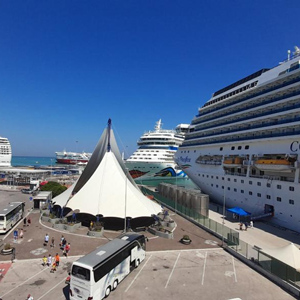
262,216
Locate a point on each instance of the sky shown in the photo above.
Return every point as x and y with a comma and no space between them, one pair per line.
67,66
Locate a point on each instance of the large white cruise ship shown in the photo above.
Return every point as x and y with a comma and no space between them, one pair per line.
243,146
5,152
154,158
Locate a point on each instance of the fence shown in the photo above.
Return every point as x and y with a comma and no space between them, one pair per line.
251,253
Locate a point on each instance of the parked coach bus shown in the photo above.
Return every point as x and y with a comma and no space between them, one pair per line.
10,215
96,274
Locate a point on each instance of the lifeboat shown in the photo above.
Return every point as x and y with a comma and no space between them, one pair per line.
233,162
277,165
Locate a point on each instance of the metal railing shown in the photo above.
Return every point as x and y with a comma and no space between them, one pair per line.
231,237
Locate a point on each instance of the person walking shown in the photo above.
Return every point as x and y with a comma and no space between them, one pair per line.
25,222
28,221
46,239
251,224
44,263
49,260
67,249
21,233
29,297
57,259
52,242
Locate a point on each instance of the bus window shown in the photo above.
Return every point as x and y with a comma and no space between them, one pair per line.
1,218
81,273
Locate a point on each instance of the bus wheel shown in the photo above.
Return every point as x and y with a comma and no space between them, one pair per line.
137,263
107,291
115,284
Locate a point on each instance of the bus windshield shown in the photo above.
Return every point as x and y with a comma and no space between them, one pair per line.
81,273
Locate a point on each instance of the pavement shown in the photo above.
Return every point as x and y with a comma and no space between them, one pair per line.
30,249
263,234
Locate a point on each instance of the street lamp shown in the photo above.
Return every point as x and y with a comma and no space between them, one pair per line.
224,202
125,227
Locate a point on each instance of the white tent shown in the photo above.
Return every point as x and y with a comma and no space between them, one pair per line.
104,189
108,192
289,255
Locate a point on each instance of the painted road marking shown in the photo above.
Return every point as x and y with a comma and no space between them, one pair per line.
38,251
204,268
137,274
172,270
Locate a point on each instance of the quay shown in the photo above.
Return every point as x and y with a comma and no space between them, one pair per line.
171,269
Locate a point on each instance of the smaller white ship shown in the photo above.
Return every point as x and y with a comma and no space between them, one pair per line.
154,158
72,158
5,152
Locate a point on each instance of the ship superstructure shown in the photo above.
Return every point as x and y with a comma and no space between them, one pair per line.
154,157
72,158
243,146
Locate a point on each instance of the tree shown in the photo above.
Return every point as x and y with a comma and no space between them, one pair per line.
55,187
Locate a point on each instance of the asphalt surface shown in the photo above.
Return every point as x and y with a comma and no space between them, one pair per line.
170,269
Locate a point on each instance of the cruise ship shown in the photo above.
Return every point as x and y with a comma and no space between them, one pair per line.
5,152
154,158
243,146
72,158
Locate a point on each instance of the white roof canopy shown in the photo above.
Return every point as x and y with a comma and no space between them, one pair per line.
104,189
289,255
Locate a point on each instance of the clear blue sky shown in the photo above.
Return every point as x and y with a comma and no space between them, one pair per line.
68,66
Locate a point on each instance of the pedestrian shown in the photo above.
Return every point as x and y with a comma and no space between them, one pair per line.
57,259
241,226
24,222
64,243
61,245
44,263
52,242
53,267
251,224
246,225
91,225
46,239
49,260
28,221
21,233
67,249
29,297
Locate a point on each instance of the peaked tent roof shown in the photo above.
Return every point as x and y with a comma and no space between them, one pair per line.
103,187
289,255
109,193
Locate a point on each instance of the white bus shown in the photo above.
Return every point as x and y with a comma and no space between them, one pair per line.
96,274
10,215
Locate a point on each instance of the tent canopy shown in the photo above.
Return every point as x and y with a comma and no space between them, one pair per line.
289,255
105,187
239,211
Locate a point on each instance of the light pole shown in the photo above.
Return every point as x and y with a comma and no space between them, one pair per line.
224,203
125,227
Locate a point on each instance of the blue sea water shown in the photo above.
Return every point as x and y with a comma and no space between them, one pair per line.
33,161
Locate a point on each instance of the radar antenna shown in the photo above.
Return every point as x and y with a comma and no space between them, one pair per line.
297,50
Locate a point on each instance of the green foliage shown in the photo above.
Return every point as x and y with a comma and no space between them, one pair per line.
55,187
7,246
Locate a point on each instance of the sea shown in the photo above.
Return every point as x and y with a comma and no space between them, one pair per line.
39,161
32,161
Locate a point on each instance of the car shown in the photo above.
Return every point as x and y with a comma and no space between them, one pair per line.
27,191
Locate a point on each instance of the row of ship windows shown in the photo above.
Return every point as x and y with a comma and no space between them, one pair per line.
221,149
291,201
278,186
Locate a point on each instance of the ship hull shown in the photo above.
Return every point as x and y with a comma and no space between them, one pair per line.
259,193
